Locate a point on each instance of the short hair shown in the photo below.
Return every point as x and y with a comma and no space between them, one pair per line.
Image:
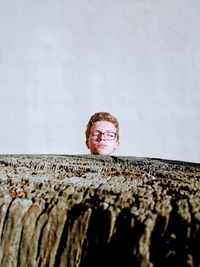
102,116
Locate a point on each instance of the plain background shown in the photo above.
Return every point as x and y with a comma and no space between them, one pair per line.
63,60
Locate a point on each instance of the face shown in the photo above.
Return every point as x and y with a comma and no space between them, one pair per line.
102,139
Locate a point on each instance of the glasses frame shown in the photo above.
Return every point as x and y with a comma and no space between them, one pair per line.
99,135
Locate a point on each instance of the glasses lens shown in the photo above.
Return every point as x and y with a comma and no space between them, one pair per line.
94,135
110,136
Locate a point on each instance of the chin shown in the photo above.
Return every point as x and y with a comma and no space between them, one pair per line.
104,152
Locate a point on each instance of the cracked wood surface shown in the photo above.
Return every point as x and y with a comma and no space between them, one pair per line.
83,210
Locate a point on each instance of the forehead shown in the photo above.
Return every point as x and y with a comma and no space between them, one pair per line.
103,126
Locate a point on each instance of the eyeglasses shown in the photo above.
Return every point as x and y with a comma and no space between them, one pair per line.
109,136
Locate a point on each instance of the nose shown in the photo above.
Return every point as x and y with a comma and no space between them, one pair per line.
102,137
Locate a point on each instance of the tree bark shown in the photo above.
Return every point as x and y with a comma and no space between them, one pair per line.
97,211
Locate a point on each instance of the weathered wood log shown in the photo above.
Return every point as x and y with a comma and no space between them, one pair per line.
92,211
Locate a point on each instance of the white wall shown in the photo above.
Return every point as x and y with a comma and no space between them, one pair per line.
63,60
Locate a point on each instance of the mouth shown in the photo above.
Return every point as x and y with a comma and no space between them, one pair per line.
102,146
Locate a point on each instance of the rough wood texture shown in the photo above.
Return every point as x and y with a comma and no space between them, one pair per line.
94,211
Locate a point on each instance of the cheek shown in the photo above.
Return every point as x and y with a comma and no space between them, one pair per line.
91,143
112,146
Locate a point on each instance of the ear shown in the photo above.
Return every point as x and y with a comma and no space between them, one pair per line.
87,144
116,144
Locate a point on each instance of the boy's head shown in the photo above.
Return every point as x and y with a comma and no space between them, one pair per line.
102,133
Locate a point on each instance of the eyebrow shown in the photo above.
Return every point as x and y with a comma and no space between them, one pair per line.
107,131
